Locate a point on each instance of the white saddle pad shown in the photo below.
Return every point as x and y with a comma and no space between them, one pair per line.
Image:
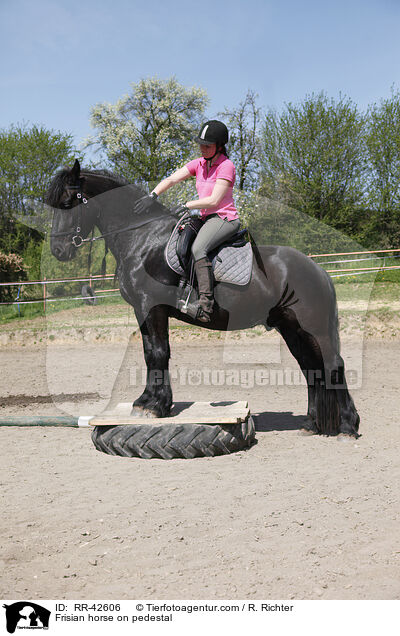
230,265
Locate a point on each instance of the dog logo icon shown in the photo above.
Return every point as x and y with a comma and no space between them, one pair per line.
26,615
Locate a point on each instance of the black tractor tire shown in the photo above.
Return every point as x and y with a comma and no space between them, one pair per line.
172,441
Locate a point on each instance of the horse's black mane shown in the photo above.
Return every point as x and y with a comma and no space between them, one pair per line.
57,185
107,173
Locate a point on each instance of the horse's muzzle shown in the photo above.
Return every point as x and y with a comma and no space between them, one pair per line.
63,252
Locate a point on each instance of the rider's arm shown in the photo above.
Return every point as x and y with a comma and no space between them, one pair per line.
219,191
175,177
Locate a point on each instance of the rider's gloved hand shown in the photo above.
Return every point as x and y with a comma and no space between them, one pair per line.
179,210
145,203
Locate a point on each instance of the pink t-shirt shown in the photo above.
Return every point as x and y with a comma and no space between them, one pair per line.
223,168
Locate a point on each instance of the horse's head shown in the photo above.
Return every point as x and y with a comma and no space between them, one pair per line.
74,216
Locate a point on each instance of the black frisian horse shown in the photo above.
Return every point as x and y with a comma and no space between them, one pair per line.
287,291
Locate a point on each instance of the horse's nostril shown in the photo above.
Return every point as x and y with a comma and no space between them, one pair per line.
58,251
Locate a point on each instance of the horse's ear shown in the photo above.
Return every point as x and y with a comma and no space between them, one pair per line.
76,170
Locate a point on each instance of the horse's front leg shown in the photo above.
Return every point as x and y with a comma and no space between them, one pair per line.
156,399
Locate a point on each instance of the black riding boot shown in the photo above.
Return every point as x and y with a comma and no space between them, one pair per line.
206,283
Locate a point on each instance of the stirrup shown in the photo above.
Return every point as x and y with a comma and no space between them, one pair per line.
188,308
195,310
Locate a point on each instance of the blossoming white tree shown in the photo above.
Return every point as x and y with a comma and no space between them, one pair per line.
146,134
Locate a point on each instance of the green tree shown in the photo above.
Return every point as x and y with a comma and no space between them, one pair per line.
244,140
29,156
314,159
383,148
149,133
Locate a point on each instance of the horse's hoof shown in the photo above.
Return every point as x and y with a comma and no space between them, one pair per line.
139,411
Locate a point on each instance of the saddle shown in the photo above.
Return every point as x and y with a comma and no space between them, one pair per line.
231,261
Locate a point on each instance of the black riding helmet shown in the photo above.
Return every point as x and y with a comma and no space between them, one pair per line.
213,132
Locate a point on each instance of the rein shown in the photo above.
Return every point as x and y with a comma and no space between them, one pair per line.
123,229
78,241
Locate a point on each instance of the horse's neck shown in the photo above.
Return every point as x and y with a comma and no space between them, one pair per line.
116,214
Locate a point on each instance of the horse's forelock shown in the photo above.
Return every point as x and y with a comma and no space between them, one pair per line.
56,188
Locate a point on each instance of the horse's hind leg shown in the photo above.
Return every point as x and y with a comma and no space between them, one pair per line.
305,350
331,409
311,424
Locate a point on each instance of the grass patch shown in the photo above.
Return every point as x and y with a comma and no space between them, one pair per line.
15,313
367,290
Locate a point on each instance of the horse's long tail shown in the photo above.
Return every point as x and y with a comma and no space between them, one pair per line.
327,411
325,378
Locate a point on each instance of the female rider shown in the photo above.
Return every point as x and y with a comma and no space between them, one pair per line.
215,177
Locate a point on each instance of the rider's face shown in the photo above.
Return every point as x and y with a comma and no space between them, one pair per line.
208,151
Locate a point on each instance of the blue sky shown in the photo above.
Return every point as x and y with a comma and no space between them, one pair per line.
59,58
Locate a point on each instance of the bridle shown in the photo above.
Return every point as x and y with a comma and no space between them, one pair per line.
77,240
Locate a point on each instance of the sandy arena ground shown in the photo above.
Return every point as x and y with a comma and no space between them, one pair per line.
293,517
